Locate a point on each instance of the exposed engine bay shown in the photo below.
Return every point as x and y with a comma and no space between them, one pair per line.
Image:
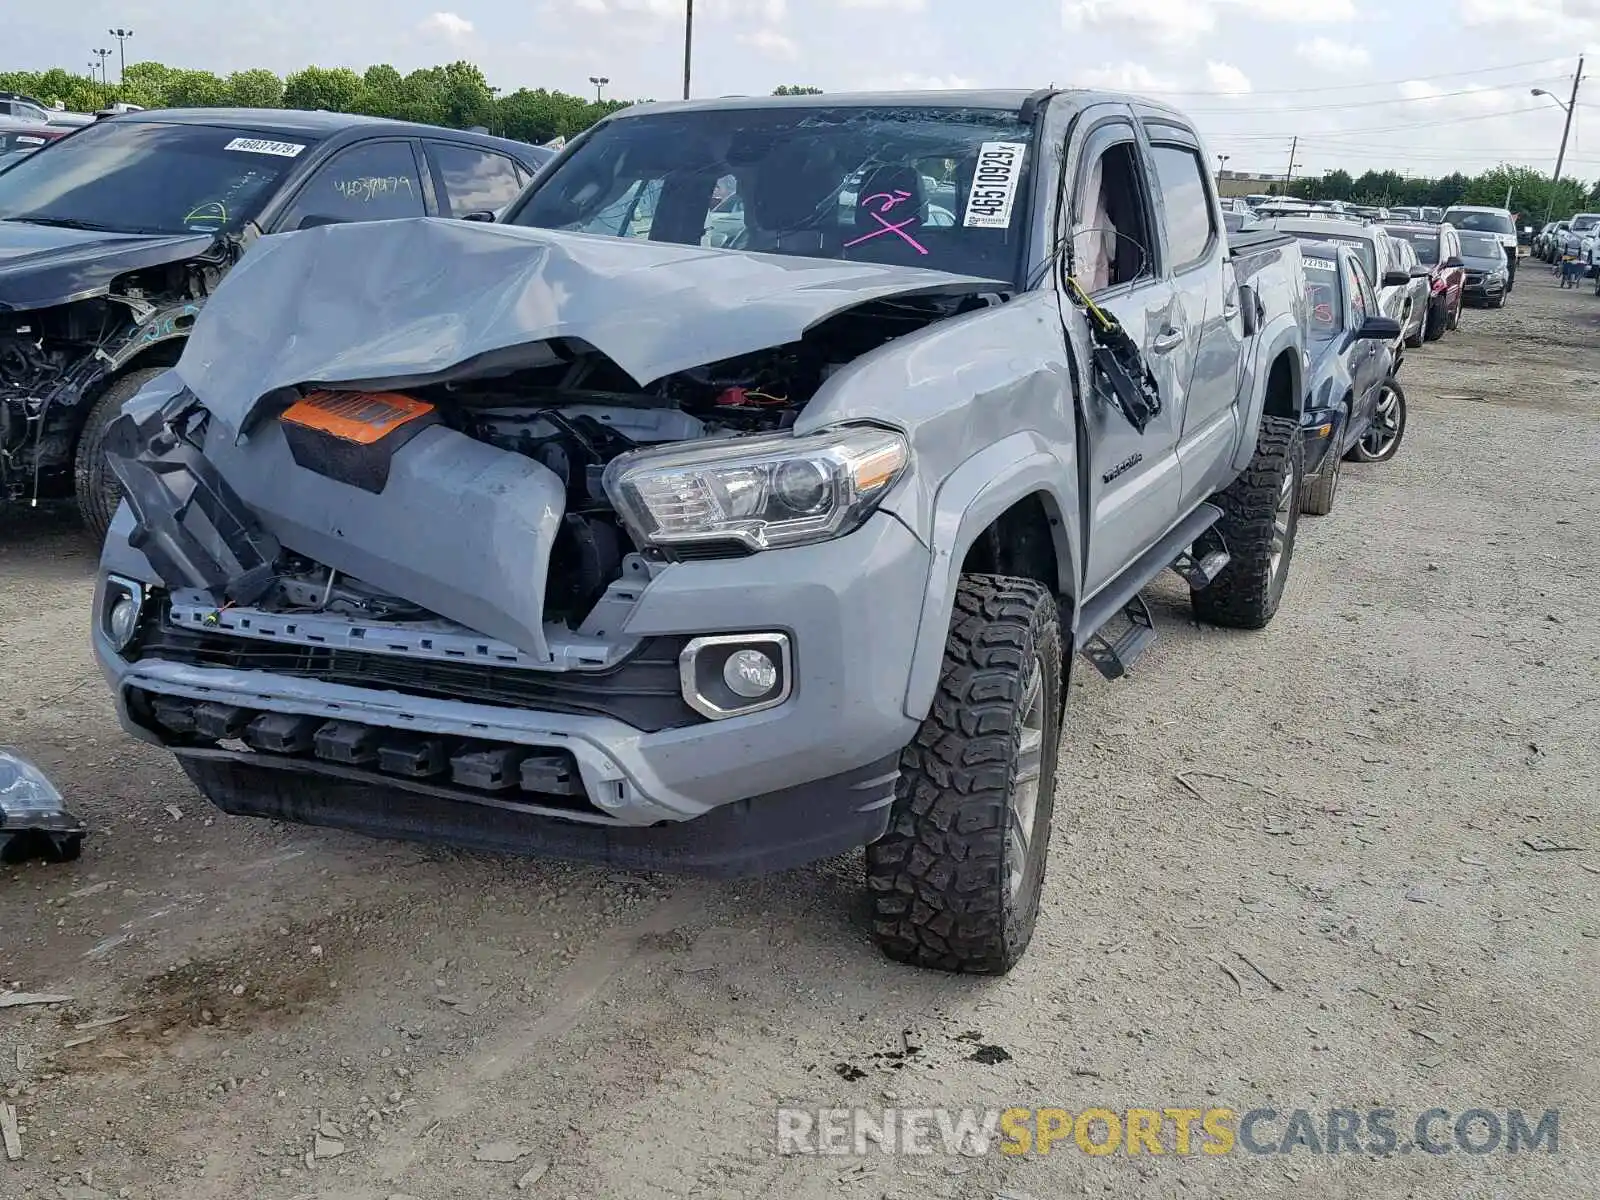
56,360
574,416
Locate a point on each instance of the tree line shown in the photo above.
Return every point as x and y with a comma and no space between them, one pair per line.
458,96
455,95
1532,193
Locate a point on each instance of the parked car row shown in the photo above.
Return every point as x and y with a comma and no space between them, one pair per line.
733,491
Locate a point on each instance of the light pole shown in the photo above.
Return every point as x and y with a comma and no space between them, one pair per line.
1566,128
1222,162
688,43
122,35
599,82
105,86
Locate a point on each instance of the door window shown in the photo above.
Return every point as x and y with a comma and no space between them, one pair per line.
1111,238
473,179
1186,203
1355,284
373,181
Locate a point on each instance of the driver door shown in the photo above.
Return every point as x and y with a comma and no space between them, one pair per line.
1368,357
1133,478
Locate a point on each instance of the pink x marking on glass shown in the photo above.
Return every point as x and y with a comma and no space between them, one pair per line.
898,229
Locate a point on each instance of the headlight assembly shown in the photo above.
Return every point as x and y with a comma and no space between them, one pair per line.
762,492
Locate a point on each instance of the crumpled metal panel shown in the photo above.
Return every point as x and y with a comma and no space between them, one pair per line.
406,302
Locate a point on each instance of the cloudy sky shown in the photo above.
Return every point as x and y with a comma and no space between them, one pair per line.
1419,85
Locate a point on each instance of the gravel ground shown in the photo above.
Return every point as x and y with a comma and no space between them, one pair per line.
1362,783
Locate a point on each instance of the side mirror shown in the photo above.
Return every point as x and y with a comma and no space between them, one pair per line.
1453,263
481,214
1396,278
1383,329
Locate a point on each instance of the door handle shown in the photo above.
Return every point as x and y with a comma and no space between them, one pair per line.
1169,339
1230,310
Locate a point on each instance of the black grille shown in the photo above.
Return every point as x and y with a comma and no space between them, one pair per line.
642,691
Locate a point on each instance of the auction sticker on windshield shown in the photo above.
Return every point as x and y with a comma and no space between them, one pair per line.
260,146
1319,264
994,185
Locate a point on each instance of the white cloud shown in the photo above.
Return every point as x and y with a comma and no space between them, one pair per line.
1305,12
1167,21
1225,77
897,5
452,25
590,6
1124,77
1328,55
1178,22
772,43
911,81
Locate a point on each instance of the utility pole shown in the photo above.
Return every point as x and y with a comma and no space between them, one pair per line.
122,35
688,43
1289,174
1572,103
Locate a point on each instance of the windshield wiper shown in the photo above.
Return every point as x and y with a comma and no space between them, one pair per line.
68,223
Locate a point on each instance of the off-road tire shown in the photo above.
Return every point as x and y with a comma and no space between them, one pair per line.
1246,594
96,486
939,879
1414,340
1316,495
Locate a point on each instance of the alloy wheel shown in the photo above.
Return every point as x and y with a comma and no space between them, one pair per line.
1026,774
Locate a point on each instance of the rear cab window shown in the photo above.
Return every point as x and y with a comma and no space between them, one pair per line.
151,177
1186,201
939,187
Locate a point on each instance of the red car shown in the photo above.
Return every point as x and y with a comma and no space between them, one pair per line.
19,134
1439,249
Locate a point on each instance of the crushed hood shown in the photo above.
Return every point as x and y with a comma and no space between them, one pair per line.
42,265
404,302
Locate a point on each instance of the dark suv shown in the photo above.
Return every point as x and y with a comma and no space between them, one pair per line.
112,239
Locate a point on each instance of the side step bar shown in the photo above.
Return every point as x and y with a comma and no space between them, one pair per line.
1112,658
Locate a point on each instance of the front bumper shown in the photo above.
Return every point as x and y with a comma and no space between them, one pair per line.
1483,290
823,758
1321,430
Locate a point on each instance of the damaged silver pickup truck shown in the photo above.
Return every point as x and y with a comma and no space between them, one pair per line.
577,535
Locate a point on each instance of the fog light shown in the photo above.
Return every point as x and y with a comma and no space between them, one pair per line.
124,605
124,621
733,675
750,674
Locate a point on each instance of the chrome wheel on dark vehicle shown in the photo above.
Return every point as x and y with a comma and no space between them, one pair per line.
1381,441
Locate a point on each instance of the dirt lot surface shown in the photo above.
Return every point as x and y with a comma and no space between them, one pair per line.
310,1014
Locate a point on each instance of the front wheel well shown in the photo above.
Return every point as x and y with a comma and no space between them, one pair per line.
1020,542
1283,387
